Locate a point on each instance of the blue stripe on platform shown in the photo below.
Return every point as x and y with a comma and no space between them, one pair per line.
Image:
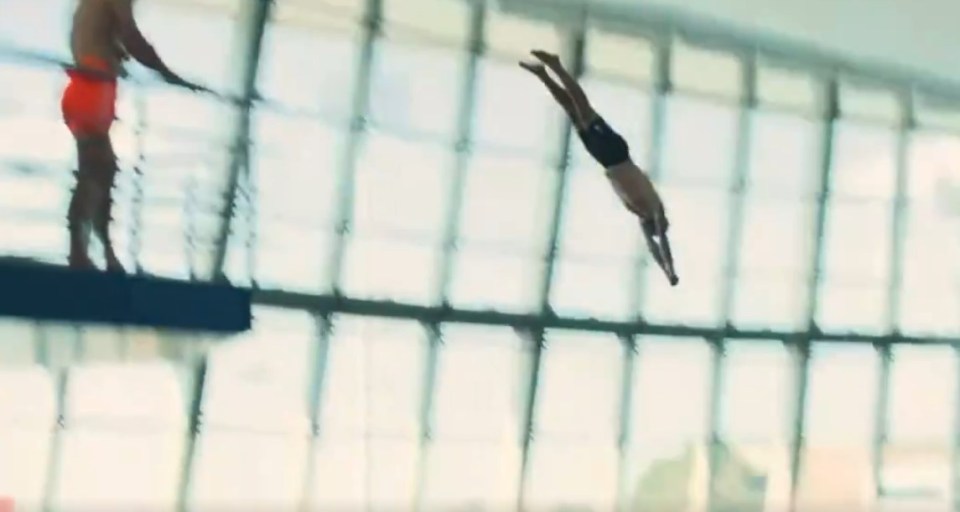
38,291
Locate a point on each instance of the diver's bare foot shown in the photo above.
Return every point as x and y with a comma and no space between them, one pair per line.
550,59
534,67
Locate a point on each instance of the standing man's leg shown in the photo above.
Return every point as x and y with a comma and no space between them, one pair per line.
88,110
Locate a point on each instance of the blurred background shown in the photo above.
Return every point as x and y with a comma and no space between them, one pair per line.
453,311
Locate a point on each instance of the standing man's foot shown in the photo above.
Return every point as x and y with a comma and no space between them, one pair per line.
114,265
81,262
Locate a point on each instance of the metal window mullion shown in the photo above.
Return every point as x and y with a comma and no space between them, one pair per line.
955,455
358,128
732,253
318,375
884,350
630,354
881,418
662,88
538,335
802,343
327,303
257,17
194,426
451,235
55,457
326,319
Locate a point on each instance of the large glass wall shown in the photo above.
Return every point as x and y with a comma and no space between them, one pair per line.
454,311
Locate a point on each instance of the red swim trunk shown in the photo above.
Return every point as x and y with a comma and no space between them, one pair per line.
89,102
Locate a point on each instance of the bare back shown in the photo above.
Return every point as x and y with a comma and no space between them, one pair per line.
96,34
635,189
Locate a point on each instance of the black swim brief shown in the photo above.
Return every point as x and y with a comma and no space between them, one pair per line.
604,144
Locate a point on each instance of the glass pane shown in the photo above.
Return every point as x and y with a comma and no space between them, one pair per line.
325,82
712,129
842,394
510,36
697,299
785,155
627,109
755,426
679,365
864,160
370,474
515,112
401,188
198,40
391,268
507,201
21,343
223,476
447,21
776,237
756,395
292,258
869,102
27,399
595,288
932,166
23,16
261,382
577,477
112,434
374,378
858,242
579,392
487,365
706,71
929,308
853,308
839,430
472,476
403,95
923,385
931,247
788,88
490,279
595,222
668,428
775,303
607,52
296,167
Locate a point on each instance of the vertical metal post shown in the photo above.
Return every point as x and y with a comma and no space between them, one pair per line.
662,88
54,459
894,282
321,355
741,164
802,344
256,19
451,233
344,216
630,353
538,338
194,426
358,129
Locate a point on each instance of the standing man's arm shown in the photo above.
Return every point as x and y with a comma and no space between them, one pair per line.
138,46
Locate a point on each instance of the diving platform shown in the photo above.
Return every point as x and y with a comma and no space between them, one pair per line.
44,292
